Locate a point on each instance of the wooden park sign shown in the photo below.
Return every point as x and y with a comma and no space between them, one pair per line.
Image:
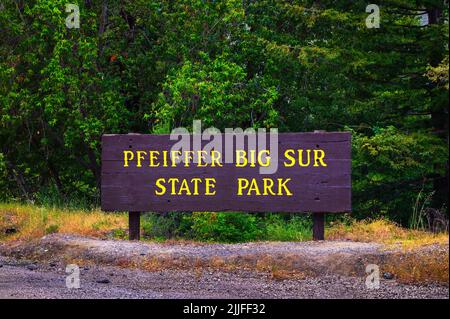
295,172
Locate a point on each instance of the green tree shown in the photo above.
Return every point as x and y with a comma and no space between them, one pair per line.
218,93
148,66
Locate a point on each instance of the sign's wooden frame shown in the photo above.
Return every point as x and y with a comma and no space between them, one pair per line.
322,186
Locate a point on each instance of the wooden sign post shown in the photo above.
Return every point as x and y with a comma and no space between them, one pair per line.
134,225
318,226
304,172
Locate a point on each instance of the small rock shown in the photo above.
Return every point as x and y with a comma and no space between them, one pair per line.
52,264
111,274
10,230
103,281
142,254
86,268
388,275
32,267
1,265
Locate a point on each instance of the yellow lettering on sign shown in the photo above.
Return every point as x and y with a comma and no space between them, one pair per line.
127,156
260,155
282,186
241,158
268,184
160,185
209,184
153,158
318,156
188,157
175,157
303,158
195,181
300,158
202,159
253,188
140,157
242,184
215,159
185,186
173,181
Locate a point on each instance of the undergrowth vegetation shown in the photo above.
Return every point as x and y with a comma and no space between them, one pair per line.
227,226
231,64
384,231
26,221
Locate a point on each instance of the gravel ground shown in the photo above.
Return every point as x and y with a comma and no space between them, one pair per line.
123,269
19,279
132,248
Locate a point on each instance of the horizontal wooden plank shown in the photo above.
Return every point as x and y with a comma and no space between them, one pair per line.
336,145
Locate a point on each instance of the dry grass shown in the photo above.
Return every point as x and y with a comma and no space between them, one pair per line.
30,222
27,222
265,264
420,268
280,269
273,268
385,232
414,262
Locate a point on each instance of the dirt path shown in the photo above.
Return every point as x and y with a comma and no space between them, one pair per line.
121,269
18,281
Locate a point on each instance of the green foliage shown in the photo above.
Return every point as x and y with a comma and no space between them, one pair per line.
49,196
51,229
228,227
390,168
418,217
224,227
218,93
148,66
439,74
298,228
57,99
169,225
119,234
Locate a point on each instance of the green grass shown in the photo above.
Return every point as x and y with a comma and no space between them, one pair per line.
226,227
299,228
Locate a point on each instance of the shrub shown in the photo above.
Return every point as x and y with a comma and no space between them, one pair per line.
298,228
224,227
166,225
50,196
51,229
390,168
119,233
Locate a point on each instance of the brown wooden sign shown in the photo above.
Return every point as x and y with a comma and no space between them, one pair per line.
305,172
